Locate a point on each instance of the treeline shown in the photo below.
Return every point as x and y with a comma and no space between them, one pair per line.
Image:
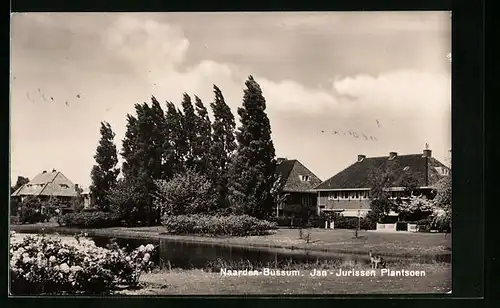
179,161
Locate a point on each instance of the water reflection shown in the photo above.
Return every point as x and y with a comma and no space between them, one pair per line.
178,254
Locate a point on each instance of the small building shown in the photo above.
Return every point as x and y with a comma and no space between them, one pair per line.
296,182
348,192
48,185
87,198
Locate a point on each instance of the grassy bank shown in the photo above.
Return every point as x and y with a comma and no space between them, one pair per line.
401,244
437,279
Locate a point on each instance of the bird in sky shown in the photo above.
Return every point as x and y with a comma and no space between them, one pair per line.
378,123
51,98
322,131
67,104
78,96
364,136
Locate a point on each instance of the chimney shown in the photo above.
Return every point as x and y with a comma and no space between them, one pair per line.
361,157
427,153
76,187
44,171
53,170
279,160
393,155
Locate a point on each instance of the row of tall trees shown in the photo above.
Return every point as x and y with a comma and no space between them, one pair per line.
162,144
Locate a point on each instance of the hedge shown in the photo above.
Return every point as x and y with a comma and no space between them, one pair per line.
236,225
96,219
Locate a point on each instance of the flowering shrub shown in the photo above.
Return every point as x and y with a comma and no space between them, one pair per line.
89,220
42,265
237,225
188,193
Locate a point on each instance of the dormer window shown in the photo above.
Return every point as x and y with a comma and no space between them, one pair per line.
304,178
63,185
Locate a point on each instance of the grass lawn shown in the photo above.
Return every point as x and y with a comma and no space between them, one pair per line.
437,279
397,244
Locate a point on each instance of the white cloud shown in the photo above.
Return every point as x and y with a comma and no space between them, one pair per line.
400,93
148,43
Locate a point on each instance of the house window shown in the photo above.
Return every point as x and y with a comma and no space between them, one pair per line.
346,195
357,194
304,178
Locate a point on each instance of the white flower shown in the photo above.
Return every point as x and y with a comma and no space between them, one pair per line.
26,255
52,259
76,268
146,257
141,248
150,247
127,259
64,267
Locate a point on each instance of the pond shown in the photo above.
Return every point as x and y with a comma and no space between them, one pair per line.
188,255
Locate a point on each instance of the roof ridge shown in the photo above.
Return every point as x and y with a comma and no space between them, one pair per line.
399,155
47,184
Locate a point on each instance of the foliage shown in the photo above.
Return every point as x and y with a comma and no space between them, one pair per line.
415,208
89,220
342,222
174,145
42,265
131,201
253,167
222,146
188,193
20,182
442,203
235,225
105,172
31,214
201,147
14,203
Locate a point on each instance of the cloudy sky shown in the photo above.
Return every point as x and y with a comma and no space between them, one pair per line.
320,73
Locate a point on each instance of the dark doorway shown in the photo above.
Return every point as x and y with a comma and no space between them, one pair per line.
401,226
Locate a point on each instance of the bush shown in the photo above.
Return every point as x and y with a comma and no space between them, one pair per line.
41,265
236,225
131,200
188,193
30,215
89,220
342,222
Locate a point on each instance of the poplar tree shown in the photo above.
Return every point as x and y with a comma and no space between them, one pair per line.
175,145
189,125
104,173
222,146
201,149
253,167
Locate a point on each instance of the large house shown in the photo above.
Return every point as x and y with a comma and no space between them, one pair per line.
48,185
348,192
296,183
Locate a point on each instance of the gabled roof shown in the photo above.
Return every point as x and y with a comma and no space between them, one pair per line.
361,173
48,184
290,172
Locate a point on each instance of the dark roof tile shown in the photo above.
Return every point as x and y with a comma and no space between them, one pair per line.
361,173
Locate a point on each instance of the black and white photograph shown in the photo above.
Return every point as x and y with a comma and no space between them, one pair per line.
230,153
